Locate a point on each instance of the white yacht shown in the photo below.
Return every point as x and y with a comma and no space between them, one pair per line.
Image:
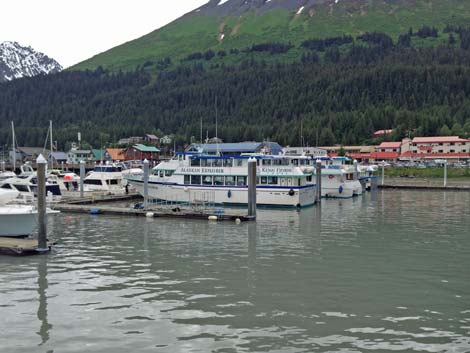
196,177
6,175
104,177
15,220
337,179
26,184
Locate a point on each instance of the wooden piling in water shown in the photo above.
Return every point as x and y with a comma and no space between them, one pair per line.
252,187
42,234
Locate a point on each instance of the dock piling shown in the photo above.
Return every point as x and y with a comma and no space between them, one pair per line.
146,183
252,187
445,173
318,181
356,171
42,235
383,173
82,177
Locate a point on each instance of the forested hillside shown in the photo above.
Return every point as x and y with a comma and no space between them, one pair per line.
340,93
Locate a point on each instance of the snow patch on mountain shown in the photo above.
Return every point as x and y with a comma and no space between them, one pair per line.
17,61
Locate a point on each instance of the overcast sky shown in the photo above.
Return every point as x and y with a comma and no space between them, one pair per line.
71,31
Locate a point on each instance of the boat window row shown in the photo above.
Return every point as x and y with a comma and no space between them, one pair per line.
219,180
161,173
232,162
100,182
227,162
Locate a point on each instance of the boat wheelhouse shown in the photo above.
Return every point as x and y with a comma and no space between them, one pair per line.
194,177
105,177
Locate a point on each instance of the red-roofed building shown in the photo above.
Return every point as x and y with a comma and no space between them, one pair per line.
436,147
389,147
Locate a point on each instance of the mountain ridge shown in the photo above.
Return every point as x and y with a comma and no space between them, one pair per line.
223,25
17,61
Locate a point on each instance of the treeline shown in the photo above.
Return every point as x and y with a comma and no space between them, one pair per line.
341,96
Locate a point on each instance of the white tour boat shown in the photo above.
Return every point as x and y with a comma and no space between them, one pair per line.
197,177
337,179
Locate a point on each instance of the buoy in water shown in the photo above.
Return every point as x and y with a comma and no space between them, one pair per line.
212,218
238,221
149,214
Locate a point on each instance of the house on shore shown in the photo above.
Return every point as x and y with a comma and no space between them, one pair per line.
141,152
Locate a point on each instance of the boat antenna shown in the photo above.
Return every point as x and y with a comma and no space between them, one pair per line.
200,122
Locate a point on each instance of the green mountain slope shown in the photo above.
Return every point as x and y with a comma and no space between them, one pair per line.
239,24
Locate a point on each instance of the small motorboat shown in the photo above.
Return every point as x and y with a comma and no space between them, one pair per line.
17,220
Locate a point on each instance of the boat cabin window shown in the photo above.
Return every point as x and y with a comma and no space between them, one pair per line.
228,163
284,162
195,162
206,180
187,179
241,180
160,173
264,180
276,162
217,163
92,182
22,188
229,180
272,180
266,162
6,186
218,180
169,173
295,162
350,176
196,179
239,162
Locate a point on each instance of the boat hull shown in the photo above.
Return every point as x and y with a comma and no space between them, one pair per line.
265,196
21,221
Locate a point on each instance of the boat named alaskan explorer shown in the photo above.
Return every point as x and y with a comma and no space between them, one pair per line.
197,177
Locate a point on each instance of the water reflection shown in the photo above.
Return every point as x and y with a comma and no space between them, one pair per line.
42,296
386,271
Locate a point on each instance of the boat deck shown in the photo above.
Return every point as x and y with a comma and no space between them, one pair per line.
20,246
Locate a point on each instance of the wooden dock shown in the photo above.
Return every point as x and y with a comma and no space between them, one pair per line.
94,198
177,212
20,246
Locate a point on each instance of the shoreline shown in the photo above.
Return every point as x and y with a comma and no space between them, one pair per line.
453,184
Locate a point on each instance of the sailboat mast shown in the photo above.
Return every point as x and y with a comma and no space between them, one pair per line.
52,149
216,127
14,146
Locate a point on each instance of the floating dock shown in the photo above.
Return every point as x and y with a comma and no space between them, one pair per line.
94,198
176,212
20,246
425,187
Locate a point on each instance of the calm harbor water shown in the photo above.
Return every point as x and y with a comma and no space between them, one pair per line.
388,271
